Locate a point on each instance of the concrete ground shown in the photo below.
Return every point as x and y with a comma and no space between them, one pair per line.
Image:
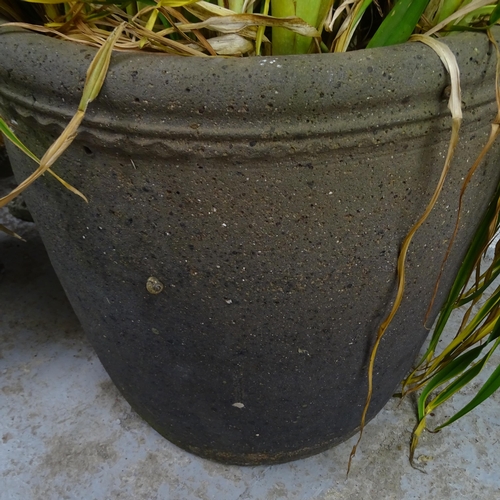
66,432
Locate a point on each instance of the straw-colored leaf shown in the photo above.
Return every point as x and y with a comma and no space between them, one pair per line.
68,186
205,10
336,12
48,159
348,27
420,427
237,22
159,42
450,63
467,9
454,104
432,9
10,11
98,70
6,230
456,365
43,29
5,130
229,45
483,235
95,78
494,133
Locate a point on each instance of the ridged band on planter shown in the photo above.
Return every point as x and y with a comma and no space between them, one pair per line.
238,251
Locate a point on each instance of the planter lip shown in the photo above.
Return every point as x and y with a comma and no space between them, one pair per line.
321,95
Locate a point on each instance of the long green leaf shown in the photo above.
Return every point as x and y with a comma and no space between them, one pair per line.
450,371
476,248
448,367
495,15
456,367
467,8
456,385
489,387
447,8
483,285
462,339
398,26
7,132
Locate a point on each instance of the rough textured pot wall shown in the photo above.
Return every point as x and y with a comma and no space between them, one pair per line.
267,197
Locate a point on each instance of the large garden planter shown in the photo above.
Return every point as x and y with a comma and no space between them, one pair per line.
238,250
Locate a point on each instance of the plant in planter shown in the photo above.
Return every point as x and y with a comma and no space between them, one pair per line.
240,243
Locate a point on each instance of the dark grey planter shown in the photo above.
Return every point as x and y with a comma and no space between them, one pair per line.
238,251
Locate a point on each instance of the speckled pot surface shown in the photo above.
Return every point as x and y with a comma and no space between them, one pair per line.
238,250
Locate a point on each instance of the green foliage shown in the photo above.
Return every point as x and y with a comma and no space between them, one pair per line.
399,25
441,375
189,27
313,12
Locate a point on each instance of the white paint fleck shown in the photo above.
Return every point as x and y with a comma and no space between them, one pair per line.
239,405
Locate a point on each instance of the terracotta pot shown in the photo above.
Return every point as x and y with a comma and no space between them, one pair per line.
238,251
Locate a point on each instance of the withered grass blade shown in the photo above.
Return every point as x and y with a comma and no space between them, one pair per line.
97,71
494,133
95,78
6,230
349,25
232,44
467,9
456,364
8,134
237,22
5,130
454,104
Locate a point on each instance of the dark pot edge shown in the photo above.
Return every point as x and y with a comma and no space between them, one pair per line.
195,114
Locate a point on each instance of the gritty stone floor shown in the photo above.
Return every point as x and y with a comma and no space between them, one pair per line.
66,432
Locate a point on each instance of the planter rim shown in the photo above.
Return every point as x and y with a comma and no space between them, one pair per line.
248,98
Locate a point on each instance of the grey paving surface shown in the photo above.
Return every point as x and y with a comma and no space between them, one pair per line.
66,433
